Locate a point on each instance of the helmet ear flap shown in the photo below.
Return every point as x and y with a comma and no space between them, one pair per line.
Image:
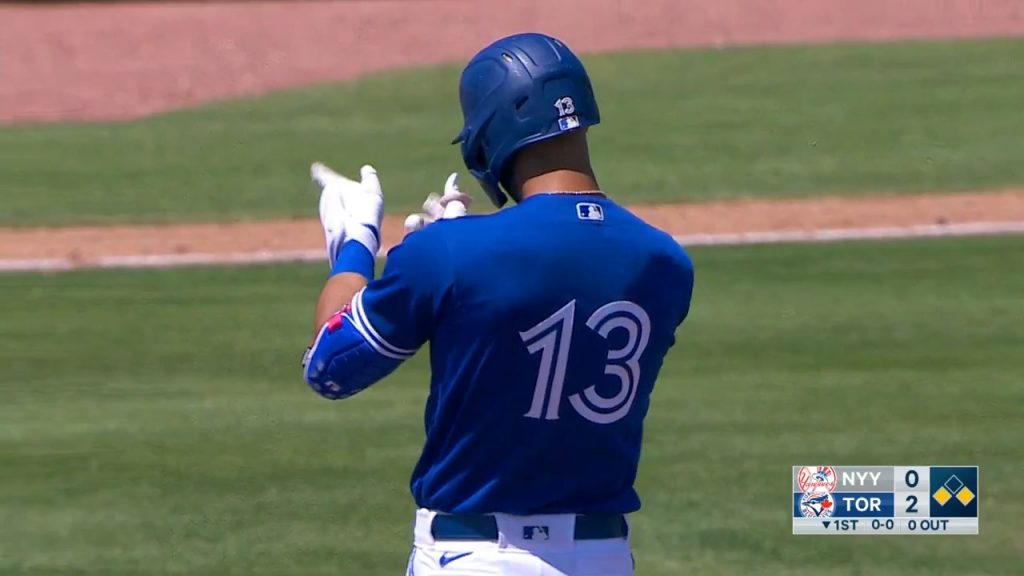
475,153
493,190
480,158
474,145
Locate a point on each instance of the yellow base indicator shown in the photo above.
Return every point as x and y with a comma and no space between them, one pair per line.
965,496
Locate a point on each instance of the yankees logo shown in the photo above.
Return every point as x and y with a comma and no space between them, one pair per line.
816,479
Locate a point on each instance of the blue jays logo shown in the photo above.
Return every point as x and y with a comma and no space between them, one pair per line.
817,505
589,211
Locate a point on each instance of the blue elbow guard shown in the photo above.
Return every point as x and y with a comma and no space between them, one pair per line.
341,363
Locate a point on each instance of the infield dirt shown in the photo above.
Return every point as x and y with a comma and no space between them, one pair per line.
126,60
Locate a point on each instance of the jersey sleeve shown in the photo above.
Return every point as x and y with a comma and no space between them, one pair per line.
685,273
386,322
398,312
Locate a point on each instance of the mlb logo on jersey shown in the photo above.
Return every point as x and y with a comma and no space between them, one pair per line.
536,532
589,211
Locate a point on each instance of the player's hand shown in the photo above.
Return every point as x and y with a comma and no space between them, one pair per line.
362,203
332,211
452,204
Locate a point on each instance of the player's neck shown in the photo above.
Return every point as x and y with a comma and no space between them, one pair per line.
558,165
558,181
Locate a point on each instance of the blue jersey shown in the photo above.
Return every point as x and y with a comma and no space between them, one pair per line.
548,323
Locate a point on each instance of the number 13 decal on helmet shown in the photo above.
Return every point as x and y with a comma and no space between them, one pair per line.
553,339
565,106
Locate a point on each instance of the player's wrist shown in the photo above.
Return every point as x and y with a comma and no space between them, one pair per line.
366,234
356,257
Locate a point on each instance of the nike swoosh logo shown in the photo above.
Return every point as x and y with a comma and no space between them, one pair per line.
446,559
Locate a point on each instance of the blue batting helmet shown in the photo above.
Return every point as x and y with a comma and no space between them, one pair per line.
520,90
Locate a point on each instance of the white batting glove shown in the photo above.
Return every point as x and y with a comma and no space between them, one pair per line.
362,202
332,212
452,204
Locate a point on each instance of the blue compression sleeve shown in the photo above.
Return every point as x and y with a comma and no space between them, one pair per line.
354,257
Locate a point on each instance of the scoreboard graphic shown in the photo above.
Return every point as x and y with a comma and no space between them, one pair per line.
885,500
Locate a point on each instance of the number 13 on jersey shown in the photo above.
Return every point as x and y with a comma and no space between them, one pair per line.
552,340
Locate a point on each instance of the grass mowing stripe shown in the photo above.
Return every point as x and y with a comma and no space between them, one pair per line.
691,125
154,422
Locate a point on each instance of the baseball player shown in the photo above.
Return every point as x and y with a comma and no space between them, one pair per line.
548,322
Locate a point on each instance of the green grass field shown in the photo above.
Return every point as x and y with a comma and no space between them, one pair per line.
789,121
154,422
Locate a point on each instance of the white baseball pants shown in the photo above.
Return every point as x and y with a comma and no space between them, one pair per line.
556,554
